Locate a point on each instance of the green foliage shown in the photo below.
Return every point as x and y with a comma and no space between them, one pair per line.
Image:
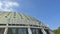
57,31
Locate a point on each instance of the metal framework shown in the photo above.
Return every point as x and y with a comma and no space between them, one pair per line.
31,23
28,27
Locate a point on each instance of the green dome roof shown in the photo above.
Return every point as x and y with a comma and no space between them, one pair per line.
17,18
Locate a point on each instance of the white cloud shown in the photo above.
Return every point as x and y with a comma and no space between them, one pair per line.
8,5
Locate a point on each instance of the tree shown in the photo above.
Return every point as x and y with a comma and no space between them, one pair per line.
57,31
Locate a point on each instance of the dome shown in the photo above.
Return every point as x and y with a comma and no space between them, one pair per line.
18,18
11,21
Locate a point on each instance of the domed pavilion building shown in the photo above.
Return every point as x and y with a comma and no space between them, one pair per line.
18,23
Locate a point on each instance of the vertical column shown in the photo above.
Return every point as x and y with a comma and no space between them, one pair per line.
43,31
29,30
6,29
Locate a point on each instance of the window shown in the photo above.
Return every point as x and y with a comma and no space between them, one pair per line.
22,31
36,31
40,32
17,31
1,30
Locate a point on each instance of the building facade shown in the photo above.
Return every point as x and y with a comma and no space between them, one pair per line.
18,23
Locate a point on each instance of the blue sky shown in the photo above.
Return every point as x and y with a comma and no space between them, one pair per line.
47,11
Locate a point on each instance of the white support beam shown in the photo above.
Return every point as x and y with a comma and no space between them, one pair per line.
44,32
29,31
19,26
6,29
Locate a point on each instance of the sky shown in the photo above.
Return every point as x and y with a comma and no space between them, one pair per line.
47,11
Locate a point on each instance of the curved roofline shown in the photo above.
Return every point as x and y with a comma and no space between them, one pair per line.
18,18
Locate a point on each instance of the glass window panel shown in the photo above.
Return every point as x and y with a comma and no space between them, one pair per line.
17,31
33,31
40,32
14,31
36,31
2,30
23,31
10,31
